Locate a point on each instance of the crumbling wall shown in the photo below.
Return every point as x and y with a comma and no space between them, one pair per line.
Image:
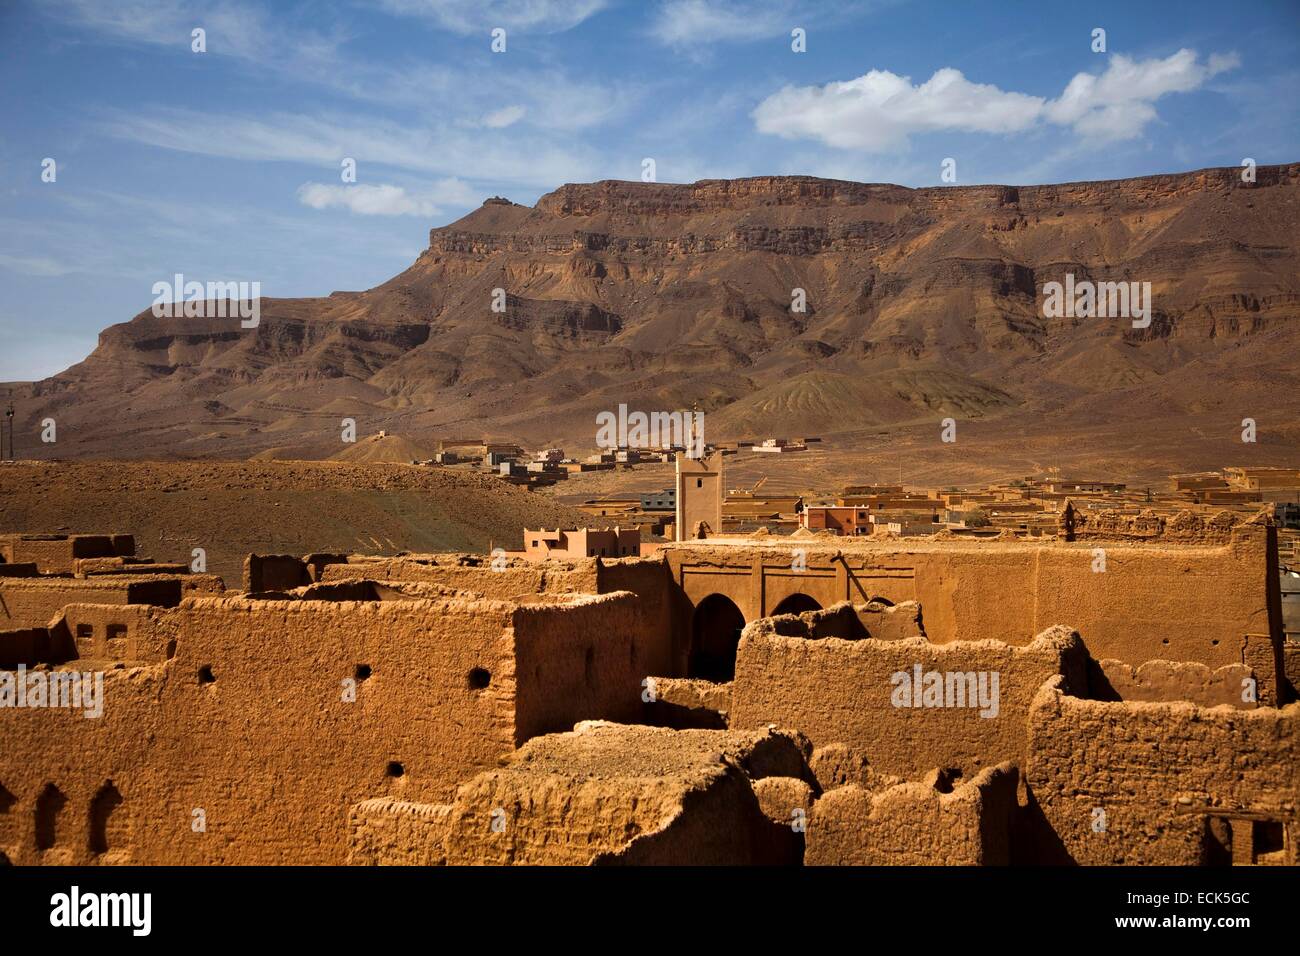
854,622
272,573
575,660
503,579
272,717
57,553
928,823
601,794
248,721
1145,783
686,703
847,692
35,602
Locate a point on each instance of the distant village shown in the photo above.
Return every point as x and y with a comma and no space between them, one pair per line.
635,523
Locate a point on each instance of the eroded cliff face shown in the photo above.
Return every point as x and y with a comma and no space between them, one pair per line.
918,302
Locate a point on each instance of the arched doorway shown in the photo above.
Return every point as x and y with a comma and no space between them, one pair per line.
715,635
796,603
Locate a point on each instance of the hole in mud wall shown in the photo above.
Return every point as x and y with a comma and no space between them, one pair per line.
361,672
479,679
48,807
206,676
394,769
107,820
171,649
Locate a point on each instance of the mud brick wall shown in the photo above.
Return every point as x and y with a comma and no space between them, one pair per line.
926,823
236,706
839,692
35,602
1157,771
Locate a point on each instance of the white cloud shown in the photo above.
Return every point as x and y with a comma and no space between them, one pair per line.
694,22
1117,104
472,16
879,111
233,28
506,116
35,266
308,48
285,137
384,199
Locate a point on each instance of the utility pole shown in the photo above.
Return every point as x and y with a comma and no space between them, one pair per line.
9,419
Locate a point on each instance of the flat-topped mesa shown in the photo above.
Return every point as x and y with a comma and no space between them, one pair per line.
713,195
794,214
616,196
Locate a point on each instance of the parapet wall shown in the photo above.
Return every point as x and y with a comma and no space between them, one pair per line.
851,693
1138,782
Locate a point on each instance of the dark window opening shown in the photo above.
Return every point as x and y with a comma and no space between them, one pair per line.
104,817
48,807
479,679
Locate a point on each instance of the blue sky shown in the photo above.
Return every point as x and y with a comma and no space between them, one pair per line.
225,165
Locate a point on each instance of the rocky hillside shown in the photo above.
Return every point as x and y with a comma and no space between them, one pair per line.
920,303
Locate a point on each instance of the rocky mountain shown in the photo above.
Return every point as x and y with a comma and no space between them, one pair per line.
919,304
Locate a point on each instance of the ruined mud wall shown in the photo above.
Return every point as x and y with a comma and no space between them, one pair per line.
576,661
57,553
246,721
926,823
843,692
274,716
601,794
649,580
1138,782
476,573
35,602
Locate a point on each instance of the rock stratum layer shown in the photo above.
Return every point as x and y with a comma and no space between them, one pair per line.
921,303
